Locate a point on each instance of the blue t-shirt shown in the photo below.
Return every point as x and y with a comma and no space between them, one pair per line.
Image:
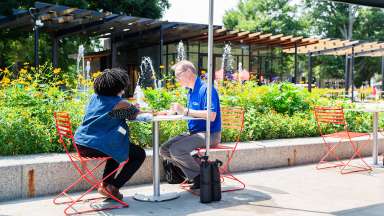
197,100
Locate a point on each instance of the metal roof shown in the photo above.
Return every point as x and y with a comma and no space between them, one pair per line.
372,3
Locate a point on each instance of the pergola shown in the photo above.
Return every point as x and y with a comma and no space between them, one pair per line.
350,49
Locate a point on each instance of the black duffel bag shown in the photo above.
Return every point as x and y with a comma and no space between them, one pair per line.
210,184
173,174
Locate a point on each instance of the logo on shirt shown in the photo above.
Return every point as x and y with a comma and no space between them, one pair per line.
195,103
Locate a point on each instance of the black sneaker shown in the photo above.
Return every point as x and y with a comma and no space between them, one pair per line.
196,183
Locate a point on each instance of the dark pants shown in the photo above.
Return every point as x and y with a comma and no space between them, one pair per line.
136,158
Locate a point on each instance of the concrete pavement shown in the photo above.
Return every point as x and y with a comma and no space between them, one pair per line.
292,191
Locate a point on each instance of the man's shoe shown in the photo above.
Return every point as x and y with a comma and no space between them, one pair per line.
196,183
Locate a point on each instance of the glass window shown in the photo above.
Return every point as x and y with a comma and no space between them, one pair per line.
203,47
246,62
193,57
218,63
193,46
172,48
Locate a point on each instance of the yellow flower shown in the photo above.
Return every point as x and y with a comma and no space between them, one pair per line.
5,81
23,71
56,70
29,77
96,74
6,71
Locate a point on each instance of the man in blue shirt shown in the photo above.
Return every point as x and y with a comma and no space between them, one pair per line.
179,148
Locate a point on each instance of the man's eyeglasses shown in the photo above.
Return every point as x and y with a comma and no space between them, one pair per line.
178,75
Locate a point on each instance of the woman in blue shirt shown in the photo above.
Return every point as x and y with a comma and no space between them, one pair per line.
104,131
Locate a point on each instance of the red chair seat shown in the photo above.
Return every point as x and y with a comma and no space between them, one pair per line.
344,135
333,117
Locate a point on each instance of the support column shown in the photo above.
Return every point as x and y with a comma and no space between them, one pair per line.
36,47
346,75
55,47
310,72
352,68
296,67
382,74
161,52
249,59
166,60
114,52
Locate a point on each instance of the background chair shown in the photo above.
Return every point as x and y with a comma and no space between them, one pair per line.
66,138
332,119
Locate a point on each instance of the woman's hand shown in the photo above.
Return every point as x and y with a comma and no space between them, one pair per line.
160,113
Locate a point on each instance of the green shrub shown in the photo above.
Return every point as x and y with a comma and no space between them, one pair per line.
272,112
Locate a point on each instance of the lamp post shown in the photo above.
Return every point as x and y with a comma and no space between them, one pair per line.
37,24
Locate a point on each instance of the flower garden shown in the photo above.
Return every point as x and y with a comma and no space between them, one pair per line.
29,97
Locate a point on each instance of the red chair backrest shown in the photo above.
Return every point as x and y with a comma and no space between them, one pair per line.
330,115
232,118
64,130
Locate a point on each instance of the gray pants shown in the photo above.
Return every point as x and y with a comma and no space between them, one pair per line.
178,149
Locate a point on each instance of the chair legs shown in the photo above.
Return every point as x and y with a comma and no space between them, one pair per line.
86,175
330,151
346,167
356,155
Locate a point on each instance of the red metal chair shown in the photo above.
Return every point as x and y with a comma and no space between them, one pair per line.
232,121
66,138
332,118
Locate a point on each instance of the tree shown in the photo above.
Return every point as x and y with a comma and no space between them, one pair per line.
269,16
337,20
141,8
273,16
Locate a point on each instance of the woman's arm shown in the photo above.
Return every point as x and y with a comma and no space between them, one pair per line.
125,110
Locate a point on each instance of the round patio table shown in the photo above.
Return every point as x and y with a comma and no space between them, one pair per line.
375,109
156,196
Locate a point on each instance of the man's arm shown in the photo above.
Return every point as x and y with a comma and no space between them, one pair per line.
199,114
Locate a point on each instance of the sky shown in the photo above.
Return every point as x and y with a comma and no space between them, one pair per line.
196,11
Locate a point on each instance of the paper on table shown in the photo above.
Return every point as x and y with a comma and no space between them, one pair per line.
144,117
169,117
370,106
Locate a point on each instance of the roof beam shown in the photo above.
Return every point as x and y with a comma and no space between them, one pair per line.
328,50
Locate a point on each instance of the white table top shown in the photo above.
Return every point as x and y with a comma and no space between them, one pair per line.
369,107
150,118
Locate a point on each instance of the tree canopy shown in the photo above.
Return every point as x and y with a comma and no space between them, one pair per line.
142,8
325,19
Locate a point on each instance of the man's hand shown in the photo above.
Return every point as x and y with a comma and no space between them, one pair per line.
178,108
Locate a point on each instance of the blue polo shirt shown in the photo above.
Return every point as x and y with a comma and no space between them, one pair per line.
197,100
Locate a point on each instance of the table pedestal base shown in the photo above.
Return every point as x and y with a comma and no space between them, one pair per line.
151,198
370,163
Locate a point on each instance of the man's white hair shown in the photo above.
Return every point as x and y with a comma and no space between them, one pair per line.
184,65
